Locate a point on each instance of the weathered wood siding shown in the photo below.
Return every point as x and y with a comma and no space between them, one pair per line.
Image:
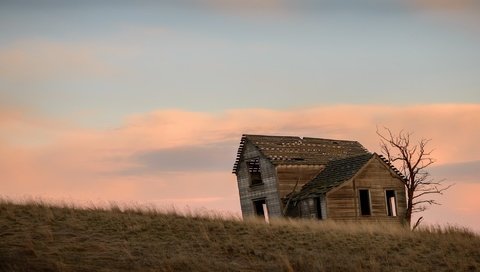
267,190
308,208
343,202
288,175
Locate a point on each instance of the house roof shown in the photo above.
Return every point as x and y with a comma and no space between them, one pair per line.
293,150
335,173
339,171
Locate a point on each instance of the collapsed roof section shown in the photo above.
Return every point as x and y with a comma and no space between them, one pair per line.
292,150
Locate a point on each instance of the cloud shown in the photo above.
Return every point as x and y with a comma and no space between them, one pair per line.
463,14
19,128
250,5
464,171
266,7
176,155
445,4
145,140
187,158
39,60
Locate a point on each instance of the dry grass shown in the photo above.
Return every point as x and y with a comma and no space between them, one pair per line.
36,236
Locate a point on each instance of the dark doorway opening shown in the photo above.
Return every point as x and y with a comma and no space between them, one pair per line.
258,205
365,202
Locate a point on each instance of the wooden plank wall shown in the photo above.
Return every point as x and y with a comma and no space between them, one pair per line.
288,175
343,203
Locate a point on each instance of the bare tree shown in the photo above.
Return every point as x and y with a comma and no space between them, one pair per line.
412,159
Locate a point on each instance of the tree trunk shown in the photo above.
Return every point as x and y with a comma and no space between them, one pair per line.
408,214
411,160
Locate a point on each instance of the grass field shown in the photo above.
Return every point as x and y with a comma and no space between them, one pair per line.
35,236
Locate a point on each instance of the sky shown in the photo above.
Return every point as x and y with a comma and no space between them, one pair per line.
146,101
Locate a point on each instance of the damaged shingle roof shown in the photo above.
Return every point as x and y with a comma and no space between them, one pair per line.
334,174
292,150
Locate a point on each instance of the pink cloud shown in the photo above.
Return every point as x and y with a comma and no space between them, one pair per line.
463,14
121,164
444,4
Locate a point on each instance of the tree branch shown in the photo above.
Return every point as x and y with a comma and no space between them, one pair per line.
411,159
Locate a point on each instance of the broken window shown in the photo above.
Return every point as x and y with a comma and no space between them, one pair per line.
391,202
364,202
254,171
260,205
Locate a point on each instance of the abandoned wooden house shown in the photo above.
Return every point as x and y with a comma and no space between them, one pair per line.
316,178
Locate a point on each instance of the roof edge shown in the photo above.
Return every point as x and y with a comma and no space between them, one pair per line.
374,155
344,181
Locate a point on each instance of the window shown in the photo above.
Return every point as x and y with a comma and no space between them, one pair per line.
391,200
254,171
258,205
364,202
318,205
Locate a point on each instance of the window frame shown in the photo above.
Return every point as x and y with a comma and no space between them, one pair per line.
394,212
370,213
255,177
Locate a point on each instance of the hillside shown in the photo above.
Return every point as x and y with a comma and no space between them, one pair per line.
40,237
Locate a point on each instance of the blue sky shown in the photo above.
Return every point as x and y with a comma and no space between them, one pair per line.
217,55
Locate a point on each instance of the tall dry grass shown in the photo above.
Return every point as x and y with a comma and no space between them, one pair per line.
40,236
